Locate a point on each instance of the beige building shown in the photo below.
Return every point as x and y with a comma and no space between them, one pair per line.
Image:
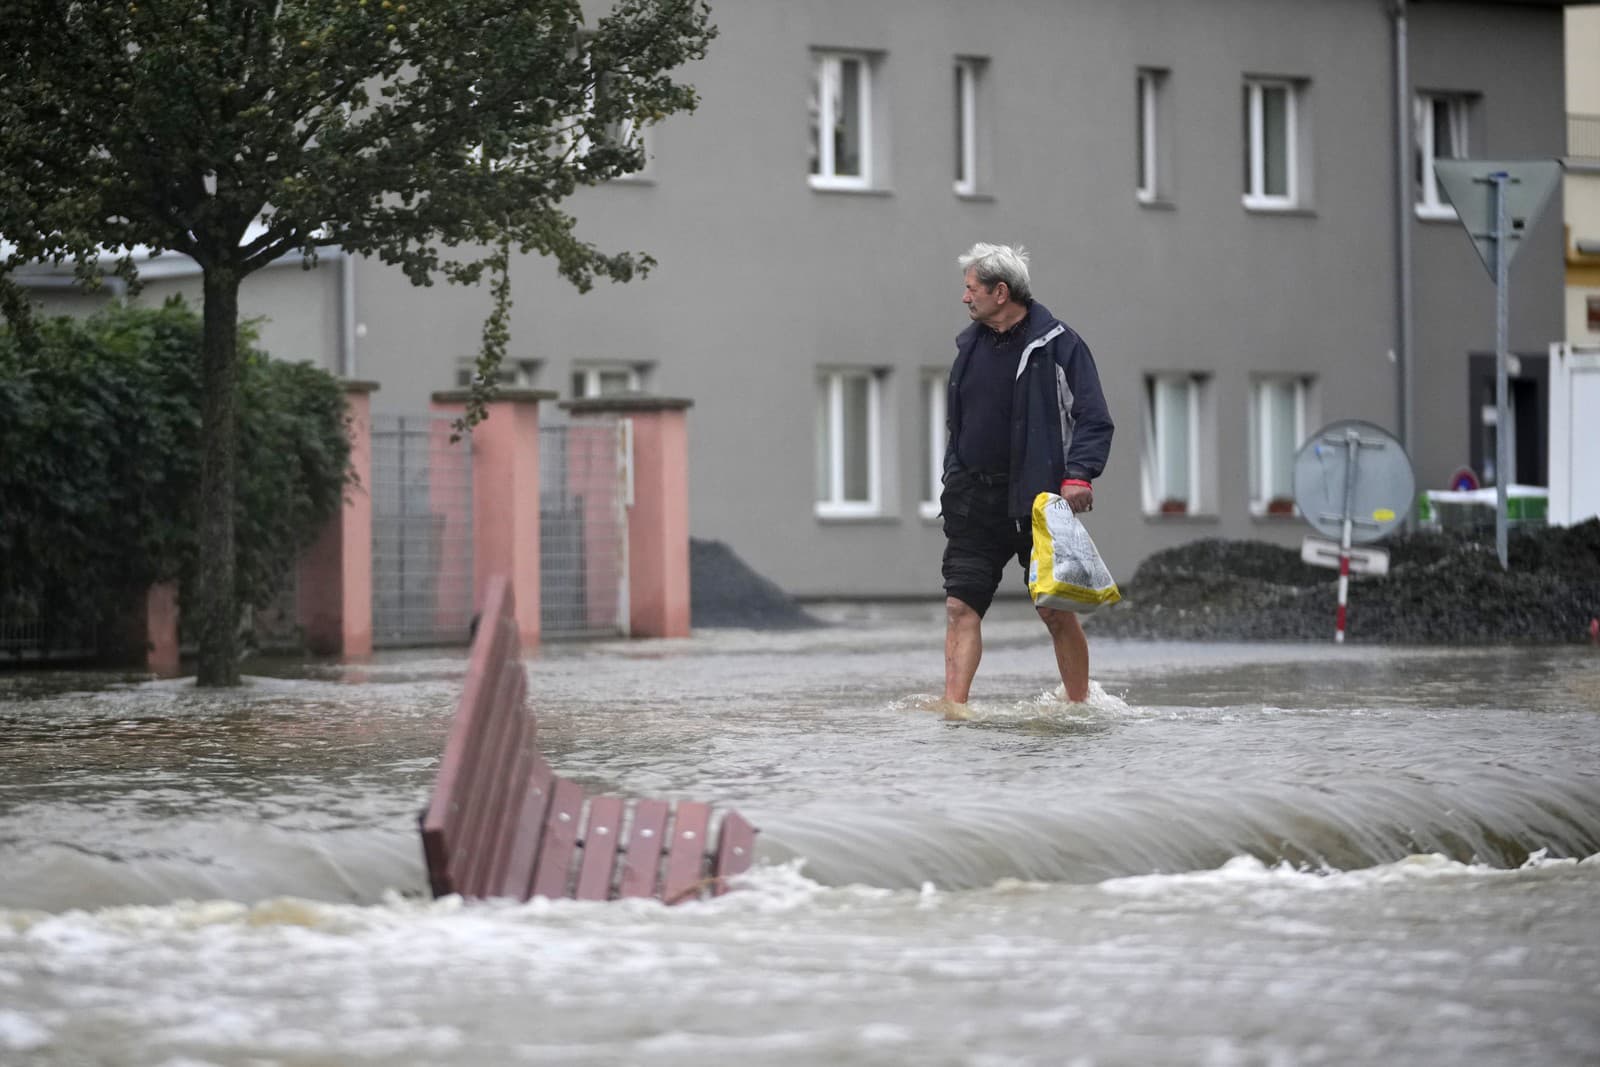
1582,185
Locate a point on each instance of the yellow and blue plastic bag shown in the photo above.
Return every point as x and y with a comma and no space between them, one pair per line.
1065,571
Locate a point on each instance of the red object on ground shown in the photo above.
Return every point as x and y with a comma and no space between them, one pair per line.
1594,630
500,824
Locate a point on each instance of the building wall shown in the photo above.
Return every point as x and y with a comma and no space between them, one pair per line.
1517,117
1582,185
762,279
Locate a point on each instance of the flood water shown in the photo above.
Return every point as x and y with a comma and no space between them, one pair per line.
1233,855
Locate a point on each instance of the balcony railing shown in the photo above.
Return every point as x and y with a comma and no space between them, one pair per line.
1583,137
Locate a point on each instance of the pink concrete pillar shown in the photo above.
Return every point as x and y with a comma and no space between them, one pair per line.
160,626
505,497
658,520
335,600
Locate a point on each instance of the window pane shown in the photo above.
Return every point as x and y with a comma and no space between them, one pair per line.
1145,184
1447,129
1283,438
846,96
817,74
933,432
824,441
961,125
1275,140
856,444
615,381
1172,437
1250,92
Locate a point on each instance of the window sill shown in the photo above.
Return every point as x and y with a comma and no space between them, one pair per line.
1181,517
1156,203
1273,207
928,512
835,518
632,179
824,186
1436,213
975,197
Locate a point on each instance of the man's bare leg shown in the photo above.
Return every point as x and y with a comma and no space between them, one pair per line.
963,648
1072,652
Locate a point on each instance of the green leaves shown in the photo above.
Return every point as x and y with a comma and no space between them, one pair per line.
100,430
175,124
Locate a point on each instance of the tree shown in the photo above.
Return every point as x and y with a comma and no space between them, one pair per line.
436,135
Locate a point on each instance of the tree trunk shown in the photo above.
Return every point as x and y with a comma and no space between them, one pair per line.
218,601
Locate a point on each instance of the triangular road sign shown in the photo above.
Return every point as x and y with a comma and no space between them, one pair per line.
1470,185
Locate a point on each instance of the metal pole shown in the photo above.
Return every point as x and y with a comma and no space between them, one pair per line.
1404,179
1352,444
1502,315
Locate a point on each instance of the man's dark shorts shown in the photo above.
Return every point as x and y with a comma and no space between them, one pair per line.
980,538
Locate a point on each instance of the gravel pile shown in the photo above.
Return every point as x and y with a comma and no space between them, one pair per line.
725,592
1441,589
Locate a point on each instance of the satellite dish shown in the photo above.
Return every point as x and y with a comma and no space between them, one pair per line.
1353,464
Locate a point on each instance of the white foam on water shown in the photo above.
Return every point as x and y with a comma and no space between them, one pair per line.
22,1033
1048,706
1247,871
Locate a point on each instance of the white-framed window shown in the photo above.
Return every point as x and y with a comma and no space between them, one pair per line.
1273,152
513,373
849,434
969,80
935,389
1280,411
1440,126
624,132
1175,438
1152,162
606,379
841,121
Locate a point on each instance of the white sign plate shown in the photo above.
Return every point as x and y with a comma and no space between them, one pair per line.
1320,553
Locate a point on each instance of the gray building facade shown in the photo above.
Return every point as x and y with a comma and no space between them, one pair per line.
1209,192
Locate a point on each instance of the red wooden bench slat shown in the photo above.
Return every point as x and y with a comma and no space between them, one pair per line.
600,840
642,858
486,822
554,866
482,721
686,858
736,848
517,784
444,812
516,880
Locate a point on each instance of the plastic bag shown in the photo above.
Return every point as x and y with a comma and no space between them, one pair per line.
1065,571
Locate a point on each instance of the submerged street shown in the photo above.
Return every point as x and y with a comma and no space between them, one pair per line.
1233,854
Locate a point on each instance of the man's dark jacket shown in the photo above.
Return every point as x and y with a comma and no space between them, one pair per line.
1060,427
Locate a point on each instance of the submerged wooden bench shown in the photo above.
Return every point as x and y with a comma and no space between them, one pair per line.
500,823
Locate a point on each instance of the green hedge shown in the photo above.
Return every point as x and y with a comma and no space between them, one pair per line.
100,451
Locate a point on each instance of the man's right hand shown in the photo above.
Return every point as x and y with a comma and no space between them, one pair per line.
1079,497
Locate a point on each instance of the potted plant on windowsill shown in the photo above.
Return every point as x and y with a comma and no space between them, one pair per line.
1173,506
1280,505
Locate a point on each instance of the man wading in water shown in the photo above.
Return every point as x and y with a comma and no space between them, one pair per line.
1025,416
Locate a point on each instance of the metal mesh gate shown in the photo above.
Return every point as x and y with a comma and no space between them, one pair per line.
421,532
583,529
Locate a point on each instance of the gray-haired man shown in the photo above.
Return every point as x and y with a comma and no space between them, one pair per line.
1025,416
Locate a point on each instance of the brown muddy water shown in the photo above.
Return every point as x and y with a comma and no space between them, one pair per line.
1273,854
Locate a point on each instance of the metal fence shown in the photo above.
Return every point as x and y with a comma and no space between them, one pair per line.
1583,137
421,532
27,635
583,529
